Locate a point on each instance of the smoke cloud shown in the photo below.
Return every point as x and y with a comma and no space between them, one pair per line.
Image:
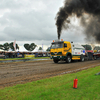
87,10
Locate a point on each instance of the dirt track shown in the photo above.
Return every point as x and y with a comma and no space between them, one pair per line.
22,72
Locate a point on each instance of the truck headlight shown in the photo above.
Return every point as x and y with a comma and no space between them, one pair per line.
60,56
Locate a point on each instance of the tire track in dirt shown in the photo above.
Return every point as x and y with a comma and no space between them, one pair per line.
23,72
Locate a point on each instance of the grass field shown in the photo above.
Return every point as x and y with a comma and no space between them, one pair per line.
57,88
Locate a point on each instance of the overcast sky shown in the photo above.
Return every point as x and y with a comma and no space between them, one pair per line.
30,21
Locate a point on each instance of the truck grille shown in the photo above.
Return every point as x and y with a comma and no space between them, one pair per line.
56,53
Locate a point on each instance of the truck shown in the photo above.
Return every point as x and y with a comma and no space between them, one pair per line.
66,51
96,51
89,53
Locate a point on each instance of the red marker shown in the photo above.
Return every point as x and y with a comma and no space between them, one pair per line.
75,83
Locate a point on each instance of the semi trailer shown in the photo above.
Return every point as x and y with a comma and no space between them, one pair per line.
68,51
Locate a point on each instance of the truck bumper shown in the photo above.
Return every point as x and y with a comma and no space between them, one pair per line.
58,57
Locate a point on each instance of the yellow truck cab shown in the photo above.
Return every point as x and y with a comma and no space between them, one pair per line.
66,51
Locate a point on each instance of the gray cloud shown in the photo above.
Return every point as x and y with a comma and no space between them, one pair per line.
30,20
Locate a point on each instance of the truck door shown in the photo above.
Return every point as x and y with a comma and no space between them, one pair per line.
67,48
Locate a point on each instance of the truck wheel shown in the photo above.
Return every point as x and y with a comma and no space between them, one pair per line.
95,57
68,59
55,60
82,58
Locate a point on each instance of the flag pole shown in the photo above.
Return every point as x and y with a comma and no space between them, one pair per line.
14,45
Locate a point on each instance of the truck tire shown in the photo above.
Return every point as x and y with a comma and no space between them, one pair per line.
55,60
68,59
95,57
82,58
90,56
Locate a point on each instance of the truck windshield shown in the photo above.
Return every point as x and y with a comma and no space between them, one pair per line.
57,45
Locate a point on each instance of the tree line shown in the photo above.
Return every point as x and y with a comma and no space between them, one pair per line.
30,47
6,46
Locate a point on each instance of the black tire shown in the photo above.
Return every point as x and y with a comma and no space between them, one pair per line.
82,58
55,60
68,59
95,57
90,56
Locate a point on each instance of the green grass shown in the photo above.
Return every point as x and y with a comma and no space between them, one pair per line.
24,58
57,88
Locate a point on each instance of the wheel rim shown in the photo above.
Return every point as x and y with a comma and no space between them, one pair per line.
83,59
69,59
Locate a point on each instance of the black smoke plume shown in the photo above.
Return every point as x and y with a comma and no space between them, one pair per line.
87,10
